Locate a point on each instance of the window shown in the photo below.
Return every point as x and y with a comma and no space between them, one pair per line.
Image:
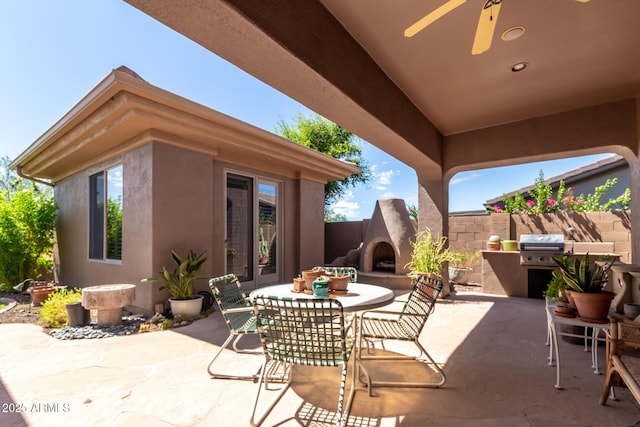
105,219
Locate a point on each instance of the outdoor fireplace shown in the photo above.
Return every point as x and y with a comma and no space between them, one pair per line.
386,245
384,258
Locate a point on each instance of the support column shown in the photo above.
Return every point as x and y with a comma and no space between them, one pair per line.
634,167
433,200
311,224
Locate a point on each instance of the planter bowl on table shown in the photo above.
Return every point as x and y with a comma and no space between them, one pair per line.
632,310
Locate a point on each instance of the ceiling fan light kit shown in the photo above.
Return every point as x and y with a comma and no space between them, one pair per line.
486,24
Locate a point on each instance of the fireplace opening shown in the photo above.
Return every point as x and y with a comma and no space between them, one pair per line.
383,257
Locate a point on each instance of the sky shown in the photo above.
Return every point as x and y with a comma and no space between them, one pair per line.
55,51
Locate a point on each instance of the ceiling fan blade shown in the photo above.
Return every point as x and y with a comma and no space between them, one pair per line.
433,16
583,1
486,26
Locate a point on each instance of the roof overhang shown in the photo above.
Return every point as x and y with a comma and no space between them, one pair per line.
426,100
124,112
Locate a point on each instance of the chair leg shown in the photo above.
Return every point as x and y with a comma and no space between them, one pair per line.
275,401
428,384
608,385
239,350
253,378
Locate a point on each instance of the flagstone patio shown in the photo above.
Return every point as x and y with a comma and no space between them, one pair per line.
493,351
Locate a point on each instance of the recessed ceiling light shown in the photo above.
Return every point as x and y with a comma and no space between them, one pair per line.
519,66
512,33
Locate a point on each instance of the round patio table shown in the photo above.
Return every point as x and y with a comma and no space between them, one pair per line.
359,296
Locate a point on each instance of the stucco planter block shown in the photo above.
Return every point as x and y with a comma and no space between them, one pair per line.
108,301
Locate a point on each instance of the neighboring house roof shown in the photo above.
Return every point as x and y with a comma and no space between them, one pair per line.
569,177
123,112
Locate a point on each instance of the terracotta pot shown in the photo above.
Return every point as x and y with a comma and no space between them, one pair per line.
338,283
593,307
298,284
494,246
569,294
39,294
309,276
566,311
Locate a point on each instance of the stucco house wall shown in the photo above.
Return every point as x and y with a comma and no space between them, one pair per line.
175,156
72,198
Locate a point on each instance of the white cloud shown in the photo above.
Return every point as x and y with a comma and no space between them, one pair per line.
345,206
462,177
381,180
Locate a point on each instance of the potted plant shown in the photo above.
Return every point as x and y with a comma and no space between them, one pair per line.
494,243
179,283
428,254
263,249
338,283
556,288
462,265
309,276
558,294
586,282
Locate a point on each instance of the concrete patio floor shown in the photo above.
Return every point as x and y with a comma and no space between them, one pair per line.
492,348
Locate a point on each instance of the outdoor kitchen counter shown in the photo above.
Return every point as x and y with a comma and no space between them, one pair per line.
502,273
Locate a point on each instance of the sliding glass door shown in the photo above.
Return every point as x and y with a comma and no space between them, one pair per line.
252,232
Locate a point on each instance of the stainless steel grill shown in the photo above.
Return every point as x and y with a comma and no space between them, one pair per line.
539,249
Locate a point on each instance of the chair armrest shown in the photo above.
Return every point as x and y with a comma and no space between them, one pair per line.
624,334
237,310
391,312
363,313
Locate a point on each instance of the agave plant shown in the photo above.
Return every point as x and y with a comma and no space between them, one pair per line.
579,275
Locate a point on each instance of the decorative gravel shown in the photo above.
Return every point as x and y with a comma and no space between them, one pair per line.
129,326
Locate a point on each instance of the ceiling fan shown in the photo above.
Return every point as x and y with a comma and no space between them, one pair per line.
486,23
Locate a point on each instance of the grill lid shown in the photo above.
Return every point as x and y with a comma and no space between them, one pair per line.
542,242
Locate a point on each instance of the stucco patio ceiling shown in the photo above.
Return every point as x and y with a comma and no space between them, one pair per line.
350,61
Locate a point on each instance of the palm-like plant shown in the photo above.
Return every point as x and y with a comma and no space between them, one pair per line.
580,276
179,282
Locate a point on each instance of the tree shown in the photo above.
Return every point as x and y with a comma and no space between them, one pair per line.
327,137
331,216
27,221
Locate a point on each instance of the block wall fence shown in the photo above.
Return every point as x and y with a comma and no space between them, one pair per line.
472,232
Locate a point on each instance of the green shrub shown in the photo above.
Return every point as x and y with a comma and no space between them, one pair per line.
53,313
27,221
540,200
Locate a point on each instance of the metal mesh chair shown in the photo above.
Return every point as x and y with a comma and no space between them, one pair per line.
237,312
308,332
346,271
403,325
